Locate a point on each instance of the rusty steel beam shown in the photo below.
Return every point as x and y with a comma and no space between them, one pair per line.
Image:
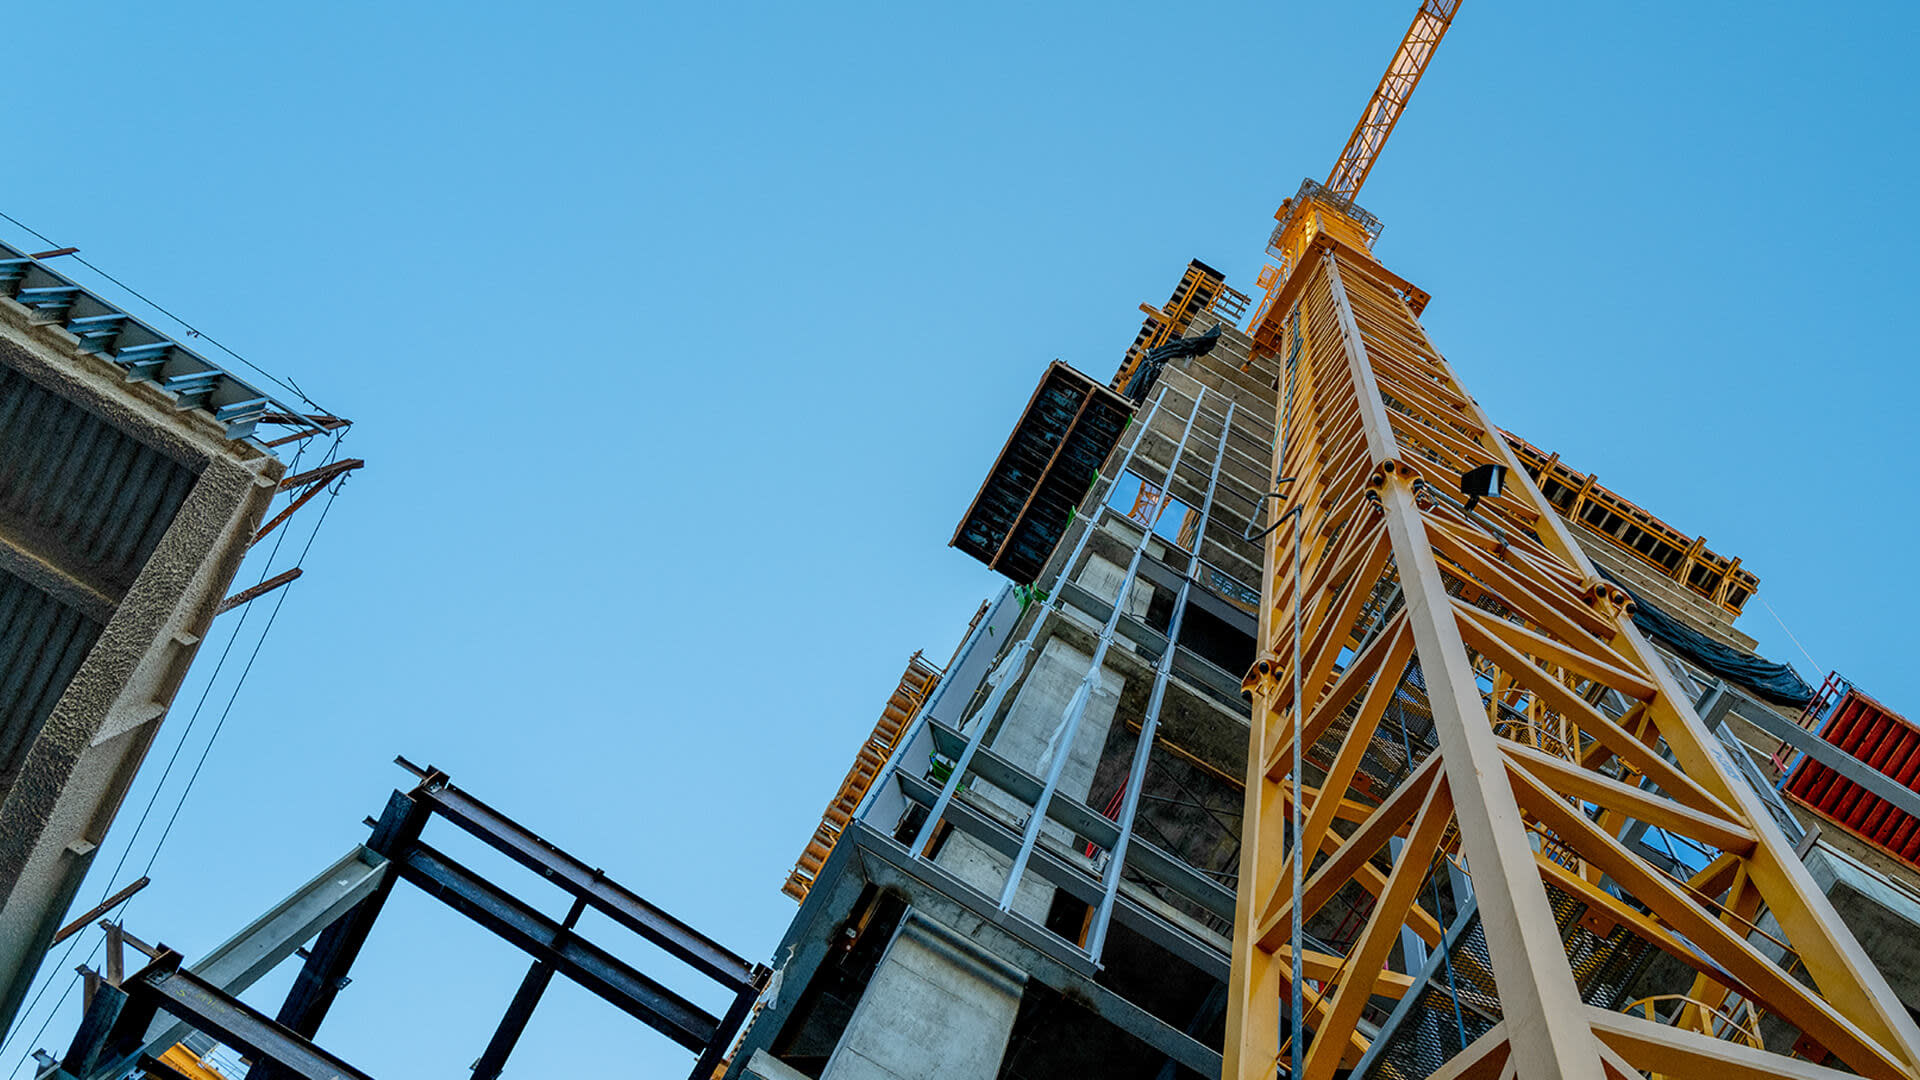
255,592
98,910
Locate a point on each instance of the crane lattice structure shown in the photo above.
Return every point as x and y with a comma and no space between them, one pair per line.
1472,655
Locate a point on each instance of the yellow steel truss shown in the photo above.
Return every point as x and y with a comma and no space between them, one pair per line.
1554,728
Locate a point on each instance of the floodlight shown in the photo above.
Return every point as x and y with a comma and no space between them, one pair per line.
1483,482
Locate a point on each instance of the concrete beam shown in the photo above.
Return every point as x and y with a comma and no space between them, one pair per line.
1023,944
865,856
38,564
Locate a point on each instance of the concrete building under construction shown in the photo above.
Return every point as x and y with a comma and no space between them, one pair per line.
131,486
948,929
1322,728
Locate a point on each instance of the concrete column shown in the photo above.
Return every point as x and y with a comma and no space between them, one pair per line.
1102,578
1027,738
939,1008
56,813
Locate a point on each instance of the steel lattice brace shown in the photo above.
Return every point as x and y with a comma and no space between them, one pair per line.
1389,100
1476,661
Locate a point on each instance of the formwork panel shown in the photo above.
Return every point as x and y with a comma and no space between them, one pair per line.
1056,450
1884,741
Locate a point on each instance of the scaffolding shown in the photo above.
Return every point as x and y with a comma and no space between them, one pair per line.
1113,677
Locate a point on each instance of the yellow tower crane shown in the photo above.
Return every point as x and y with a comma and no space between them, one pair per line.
1426,612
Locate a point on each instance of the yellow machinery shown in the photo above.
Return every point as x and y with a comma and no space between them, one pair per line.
182,1062
1473,643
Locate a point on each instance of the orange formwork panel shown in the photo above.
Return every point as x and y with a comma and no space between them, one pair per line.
1886,742
916,683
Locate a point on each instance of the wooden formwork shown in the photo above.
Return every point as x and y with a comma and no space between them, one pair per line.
916,683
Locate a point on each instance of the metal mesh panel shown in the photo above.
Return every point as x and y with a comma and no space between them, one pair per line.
1604,967
1465,1006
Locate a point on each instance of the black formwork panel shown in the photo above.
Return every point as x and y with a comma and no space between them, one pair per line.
1053,456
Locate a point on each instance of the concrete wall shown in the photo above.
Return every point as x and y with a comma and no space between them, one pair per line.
1029,737
939,1008
62,800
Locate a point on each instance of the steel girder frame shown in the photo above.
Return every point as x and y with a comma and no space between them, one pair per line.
1495,621
123,1025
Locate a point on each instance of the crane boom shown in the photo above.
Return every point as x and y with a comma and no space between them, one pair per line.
1403,73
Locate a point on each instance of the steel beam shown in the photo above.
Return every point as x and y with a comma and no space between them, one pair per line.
515,921
204,1007
1145,857
236,964
622,905
341,904
1872,780
1077,883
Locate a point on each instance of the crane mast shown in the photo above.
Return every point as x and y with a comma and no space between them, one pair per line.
1459,731
1363,147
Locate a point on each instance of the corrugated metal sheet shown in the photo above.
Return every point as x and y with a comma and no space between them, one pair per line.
1889,745
100,498
84,496
41,645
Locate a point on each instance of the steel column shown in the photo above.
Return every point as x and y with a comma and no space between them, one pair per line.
324,974
520,1010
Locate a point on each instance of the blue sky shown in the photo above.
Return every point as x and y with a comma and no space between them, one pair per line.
678,337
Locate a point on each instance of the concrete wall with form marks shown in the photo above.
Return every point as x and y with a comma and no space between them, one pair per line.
124,515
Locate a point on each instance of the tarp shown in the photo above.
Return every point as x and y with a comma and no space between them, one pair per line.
1777,683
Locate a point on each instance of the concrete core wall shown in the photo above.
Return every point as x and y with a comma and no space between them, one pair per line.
939,1008
1029,737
